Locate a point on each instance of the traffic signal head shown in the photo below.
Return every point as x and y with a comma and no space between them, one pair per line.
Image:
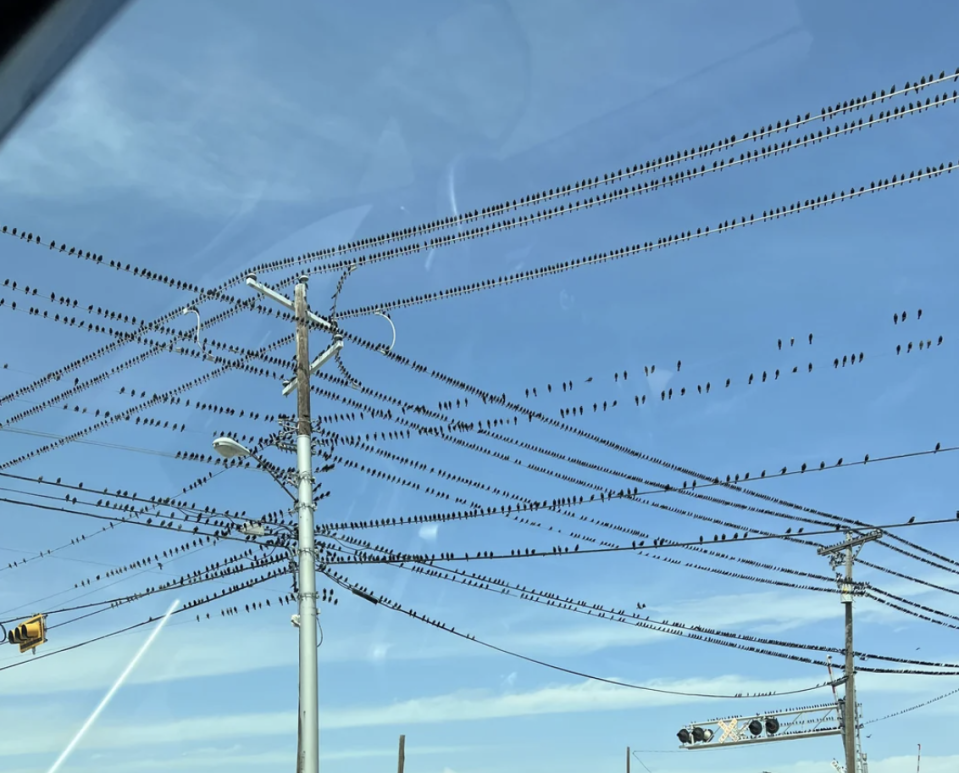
684,736
772,725
755,727
702,736
28,634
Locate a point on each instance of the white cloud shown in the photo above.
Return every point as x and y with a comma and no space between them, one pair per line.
234,757
193,650
461,706
378,652
428,531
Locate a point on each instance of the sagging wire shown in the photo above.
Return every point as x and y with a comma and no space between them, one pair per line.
220,294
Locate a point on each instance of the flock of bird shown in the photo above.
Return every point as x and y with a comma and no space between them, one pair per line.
211,527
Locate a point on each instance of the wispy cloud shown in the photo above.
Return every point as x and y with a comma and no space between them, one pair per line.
233,757
459,706
199,651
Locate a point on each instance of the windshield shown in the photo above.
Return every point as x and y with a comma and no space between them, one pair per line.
483,386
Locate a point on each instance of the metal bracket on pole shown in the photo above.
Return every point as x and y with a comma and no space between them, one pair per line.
273,295
318,363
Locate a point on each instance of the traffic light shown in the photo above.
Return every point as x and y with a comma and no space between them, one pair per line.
772,726
702,736
698,735
28,634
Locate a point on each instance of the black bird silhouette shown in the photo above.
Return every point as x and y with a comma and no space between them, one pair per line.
780,343
912,520
810,338
919,314
679,365
895,319
728,381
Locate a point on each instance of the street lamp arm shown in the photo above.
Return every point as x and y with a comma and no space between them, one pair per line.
267,468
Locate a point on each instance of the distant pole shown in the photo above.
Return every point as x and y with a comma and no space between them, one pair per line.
918,758
402,761
627,759
850,702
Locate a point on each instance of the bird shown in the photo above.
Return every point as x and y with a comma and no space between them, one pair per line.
912,520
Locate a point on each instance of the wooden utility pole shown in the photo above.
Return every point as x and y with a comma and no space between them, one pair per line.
402,761
849,702
303,424
849,717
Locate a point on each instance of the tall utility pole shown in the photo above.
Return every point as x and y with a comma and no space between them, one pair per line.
849,702
309,699
849,714
308,744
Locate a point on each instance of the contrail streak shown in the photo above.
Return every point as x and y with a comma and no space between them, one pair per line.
116,686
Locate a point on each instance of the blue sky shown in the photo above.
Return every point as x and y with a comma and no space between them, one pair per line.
198,139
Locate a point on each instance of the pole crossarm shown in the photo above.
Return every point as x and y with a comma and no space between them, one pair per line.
273,295
852,542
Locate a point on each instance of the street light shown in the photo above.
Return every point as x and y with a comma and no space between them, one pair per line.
229,448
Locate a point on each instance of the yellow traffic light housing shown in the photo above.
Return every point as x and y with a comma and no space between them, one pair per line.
28,634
